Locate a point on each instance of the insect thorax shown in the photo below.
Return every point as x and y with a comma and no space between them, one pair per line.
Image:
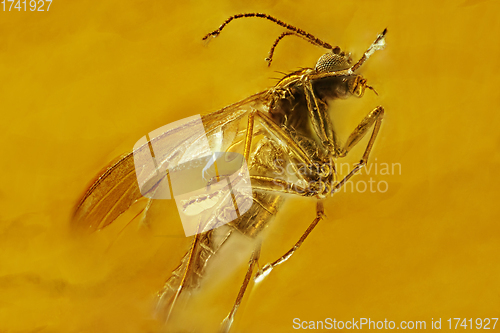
288,104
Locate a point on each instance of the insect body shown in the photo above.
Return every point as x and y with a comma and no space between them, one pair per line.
287,125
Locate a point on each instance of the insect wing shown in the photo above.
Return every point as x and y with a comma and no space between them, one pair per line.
170,145
116,189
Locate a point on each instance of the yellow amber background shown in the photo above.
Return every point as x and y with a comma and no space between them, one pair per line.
80,84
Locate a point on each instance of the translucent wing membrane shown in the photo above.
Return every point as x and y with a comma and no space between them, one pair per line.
117,188
111,194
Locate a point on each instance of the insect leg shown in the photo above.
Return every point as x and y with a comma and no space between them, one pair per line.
167,298
322,125
298,153
228,321
264,271
374,118
249,136
320,119
280,185
294,150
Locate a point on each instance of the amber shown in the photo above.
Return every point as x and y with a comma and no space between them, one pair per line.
81,83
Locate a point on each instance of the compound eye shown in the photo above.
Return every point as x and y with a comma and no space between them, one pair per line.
331,61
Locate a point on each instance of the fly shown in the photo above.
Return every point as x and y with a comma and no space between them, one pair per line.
286,125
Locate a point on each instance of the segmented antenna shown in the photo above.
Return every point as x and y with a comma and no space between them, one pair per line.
269,58
292,31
